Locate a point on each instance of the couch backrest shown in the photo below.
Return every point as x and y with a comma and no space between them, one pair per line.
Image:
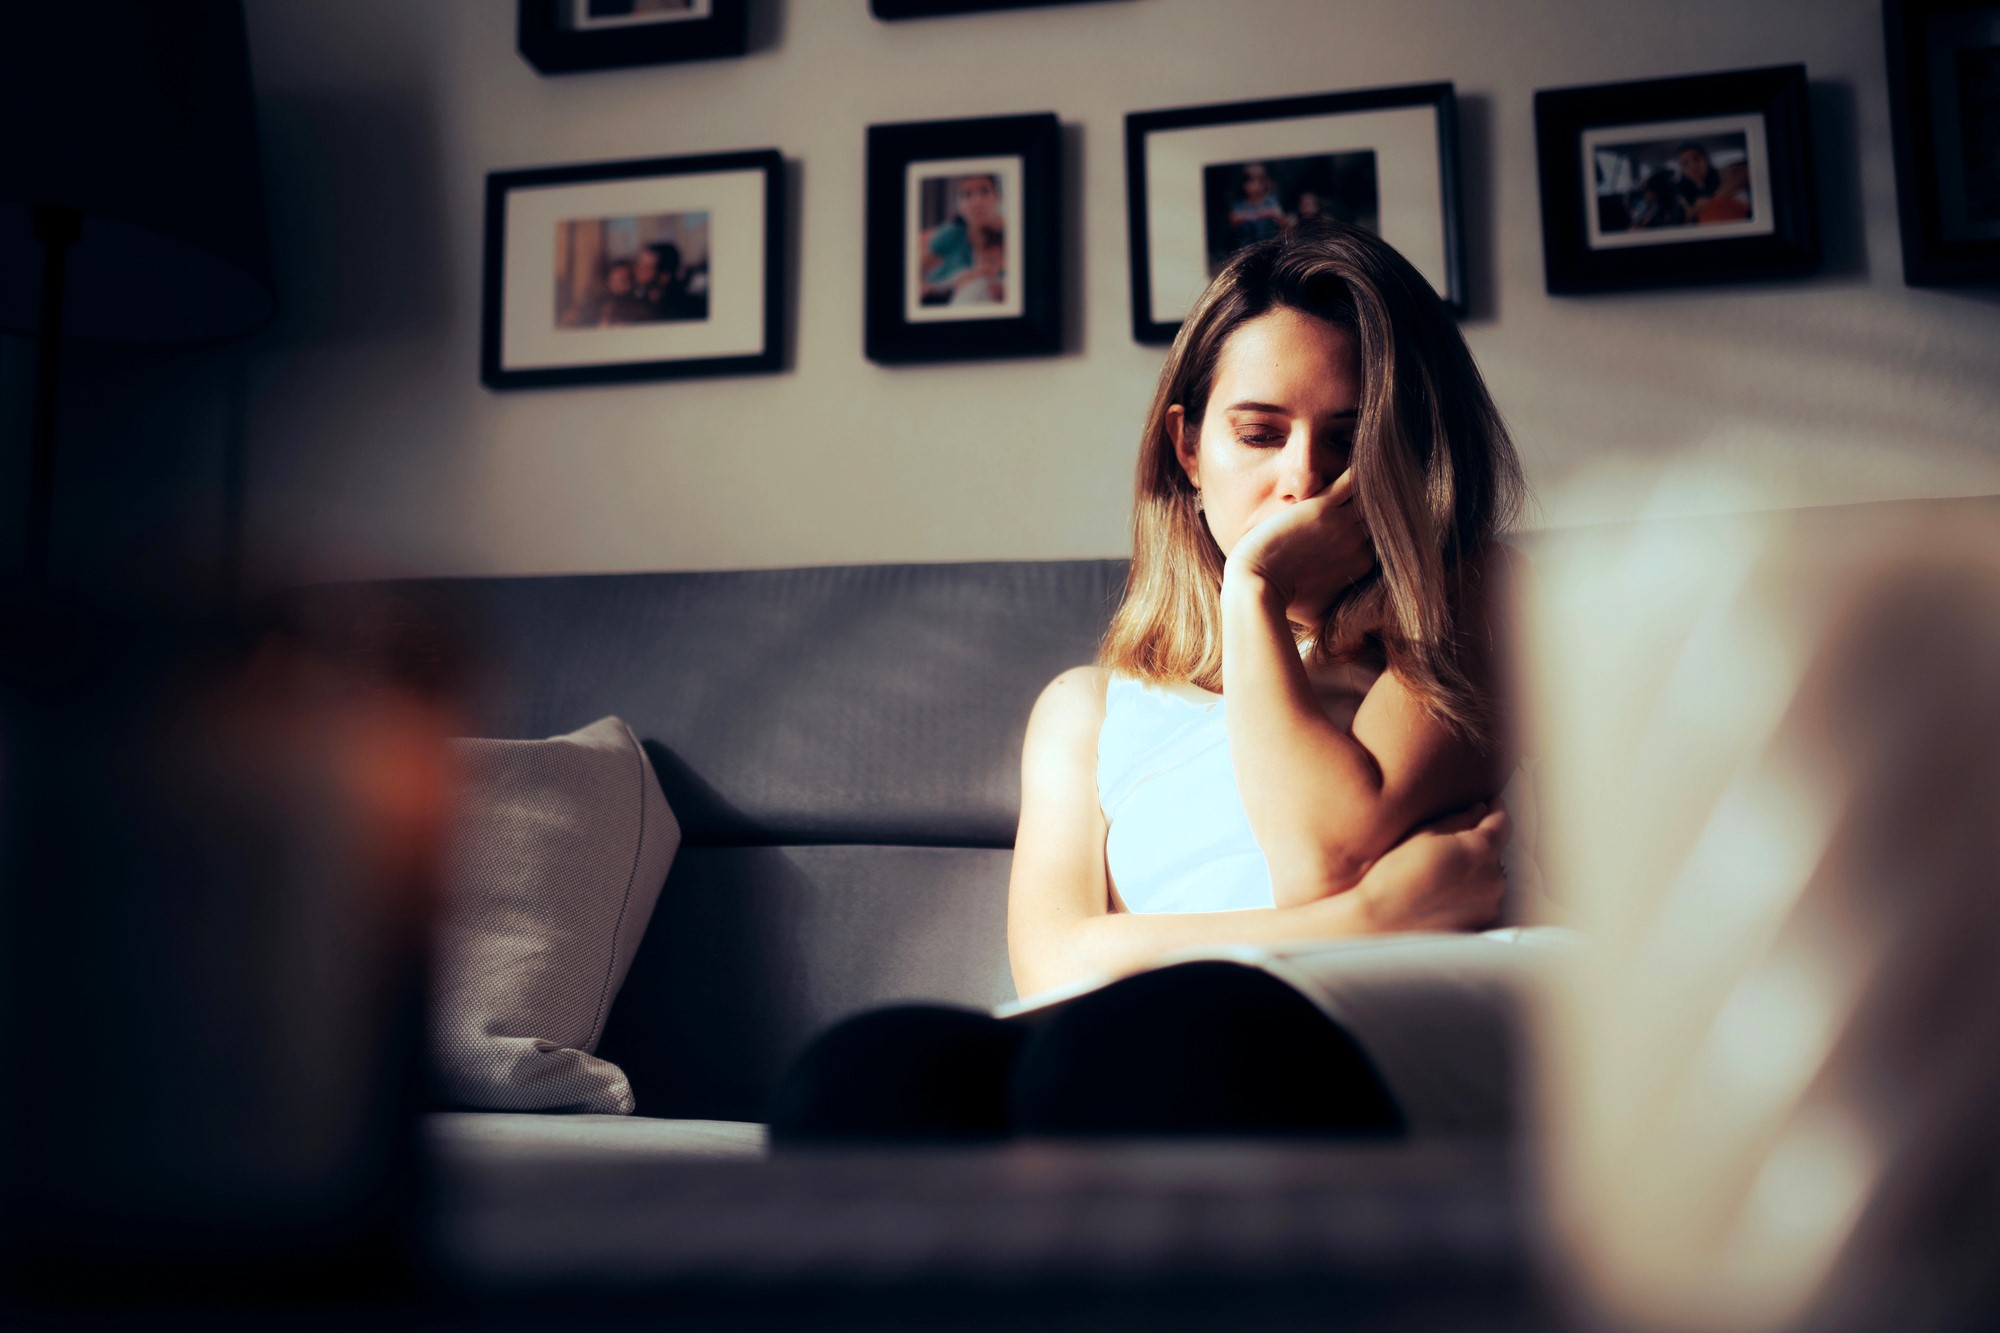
842,748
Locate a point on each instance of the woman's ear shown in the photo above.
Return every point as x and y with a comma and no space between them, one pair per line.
1186,443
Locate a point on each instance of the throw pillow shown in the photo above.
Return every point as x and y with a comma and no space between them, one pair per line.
560,850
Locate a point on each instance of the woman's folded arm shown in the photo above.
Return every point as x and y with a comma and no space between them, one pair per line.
1061,929
1326,801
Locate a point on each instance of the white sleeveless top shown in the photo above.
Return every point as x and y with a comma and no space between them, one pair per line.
1179,838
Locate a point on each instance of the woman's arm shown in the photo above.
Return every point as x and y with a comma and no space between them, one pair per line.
1325,801
1058,881
1060,926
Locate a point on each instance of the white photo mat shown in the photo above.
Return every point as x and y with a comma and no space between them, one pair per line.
1762,220
1009,171
734,200
1409,186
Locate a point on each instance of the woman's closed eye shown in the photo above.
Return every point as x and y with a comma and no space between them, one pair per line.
1254,438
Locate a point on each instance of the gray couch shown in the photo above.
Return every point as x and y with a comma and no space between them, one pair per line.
841,747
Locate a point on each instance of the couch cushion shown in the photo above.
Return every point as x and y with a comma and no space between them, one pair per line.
754,950
873,703
560,850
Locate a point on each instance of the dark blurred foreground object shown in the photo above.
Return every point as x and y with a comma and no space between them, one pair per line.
219,853
131,208
1770,759
1117,1236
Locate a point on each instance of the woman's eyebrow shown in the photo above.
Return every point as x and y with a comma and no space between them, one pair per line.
1348,415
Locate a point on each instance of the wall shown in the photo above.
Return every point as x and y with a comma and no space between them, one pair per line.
373,447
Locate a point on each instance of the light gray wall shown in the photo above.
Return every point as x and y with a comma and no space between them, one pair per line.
372,446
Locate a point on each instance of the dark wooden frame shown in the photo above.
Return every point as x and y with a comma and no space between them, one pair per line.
890,11
1928,259
499,183
1139,124
889,337
557,50
1562,115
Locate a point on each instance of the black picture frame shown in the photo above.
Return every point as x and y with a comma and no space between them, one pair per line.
891,11
902,324
553,46
1660,232
1152,192
521,334
1950,223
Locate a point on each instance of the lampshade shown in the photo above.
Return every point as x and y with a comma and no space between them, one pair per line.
137,114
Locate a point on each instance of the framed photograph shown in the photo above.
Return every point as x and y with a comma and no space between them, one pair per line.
1674,182
963,250
654,269
1944,106
1203,182
566,36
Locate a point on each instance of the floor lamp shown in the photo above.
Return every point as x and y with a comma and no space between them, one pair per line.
131,207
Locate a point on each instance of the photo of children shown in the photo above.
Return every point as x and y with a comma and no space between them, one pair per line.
1658,189
631,270
961,250
1245,202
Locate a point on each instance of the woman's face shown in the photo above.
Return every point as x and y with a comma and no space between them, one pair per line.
1279,427
979,201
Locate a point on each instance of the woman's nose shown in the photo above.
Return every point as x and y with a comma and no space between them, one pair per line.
1305,466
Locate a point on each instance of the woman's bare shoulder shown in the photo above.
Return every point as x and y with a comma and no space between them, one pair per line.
1068,715
1059,755
1074,699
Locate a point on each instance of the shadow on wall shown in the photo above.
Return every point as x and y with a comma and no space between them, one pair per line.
1071,243
1837,182
373,267
1475,179
355,190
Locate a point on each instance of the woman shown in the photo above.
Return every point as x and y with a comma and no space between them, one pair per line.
1291,733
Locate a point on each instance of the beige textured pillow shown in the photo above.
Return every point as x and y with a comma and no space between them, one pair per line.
560,850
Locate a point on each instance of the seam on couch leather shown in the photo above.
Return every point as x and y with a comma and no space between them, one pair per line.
631,877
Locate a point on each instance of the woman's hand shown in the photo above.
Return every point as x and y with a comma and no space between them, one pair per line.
1444,876
1309,553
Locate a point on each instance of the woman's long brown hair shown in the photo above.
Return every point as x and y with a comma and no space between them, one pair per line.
1435,476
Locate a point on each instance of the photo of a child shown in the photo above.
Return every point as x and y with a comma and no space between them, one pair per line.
962,251
1247,202
1670,181
963,226
1673,183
